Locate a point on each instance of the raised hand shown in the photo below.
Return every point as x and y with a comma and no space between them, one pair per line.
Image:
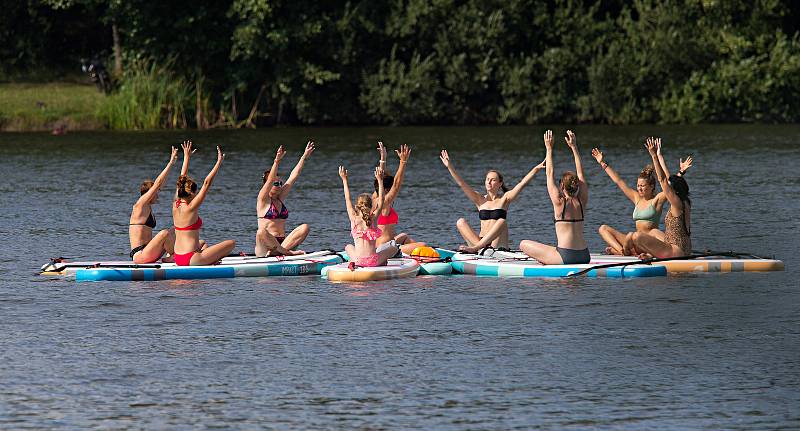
570,140
309,149
445,158
403,153
220,154
342,173
548,139
187,147
173,155
279,154
382,151
650,144
658,145
540,166
597,154
685,164
379,174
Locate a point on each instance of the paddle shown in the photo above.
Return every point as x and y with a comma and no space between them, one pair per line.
641,262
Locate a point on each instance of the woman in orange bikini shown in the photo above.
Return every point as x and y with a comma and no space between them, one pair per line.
271,238
187,221
363,225
492,207
388,219
677,234
146,248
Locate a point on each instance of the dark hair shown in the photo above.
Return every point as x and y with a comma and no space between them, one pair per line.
145,187
570,182
500,177
648,173
186,186
265,176
681,188
388,181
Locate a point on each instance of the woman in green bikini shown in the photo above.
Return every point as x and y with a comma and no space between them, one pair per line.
647,204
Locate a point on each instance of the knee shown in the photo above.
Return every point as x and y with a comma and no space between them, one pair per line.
303,229
461,222
634,236
602,229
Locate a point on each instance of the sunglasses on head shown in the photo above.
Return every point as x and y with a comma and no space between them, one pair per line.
277,183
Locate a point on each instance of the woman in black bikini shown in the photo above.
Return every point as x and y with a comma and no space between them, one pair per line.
271,238
569,199
492,207
145,248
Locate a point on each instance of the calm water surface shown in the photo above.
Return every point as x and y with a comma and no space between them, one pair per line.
692,351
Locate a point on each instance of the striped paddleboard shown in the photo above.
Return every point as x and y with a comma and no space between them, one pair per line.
500,266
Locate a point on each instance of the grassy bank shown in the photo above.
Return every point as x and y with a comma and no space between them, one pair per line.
44,106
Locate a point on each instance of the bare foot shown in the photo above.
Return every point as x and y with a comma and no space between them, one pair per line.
294,252
645,256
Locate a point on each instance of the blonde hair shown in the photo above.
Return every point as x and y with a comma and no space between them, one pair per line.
364,206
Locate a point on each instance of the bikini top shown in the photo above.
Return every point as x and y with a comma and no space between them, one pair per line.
392,218
564,212
494,214
194,226
150,222
273,213
649,214
370,234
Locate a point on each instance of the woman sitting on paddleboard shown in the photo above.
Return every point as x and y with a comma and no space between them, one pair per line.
492,207
187,221
647,204
363,225
271,238
677,234
569,200
388,218
145,248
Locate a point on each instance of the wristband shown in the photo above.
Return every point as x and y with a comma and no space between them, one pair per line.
682,172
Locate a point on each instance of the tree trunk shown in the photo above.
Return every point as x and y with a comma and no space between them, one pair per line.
117,50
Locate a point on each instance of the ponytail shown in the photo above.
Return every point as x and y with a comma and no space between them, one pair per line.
364,206
186,187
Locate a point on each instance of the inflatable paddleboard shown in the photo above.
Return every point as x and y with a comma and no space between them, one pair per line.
395,268
230,267
711,263
498,266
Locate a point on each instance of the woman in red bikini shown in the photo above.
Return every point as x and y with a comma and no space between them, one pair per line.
187,221
387,218
363,225
271,238
146,248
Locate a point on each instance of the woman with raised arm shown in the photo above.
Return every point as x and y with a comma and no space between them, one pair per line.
677,235
363,225
145,248
271,238
492,207
569,199
647,204
388,219
187,221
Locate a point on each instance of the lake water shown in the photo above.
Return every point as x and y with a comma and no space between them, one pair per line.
691,351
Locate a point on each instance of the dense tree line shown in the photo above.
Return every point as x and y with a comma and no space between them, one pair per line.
436,61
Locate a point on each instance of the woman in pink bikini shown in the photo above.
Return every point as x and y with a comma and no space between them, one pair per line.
388,218
187,221
363,225
146,248
271,238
